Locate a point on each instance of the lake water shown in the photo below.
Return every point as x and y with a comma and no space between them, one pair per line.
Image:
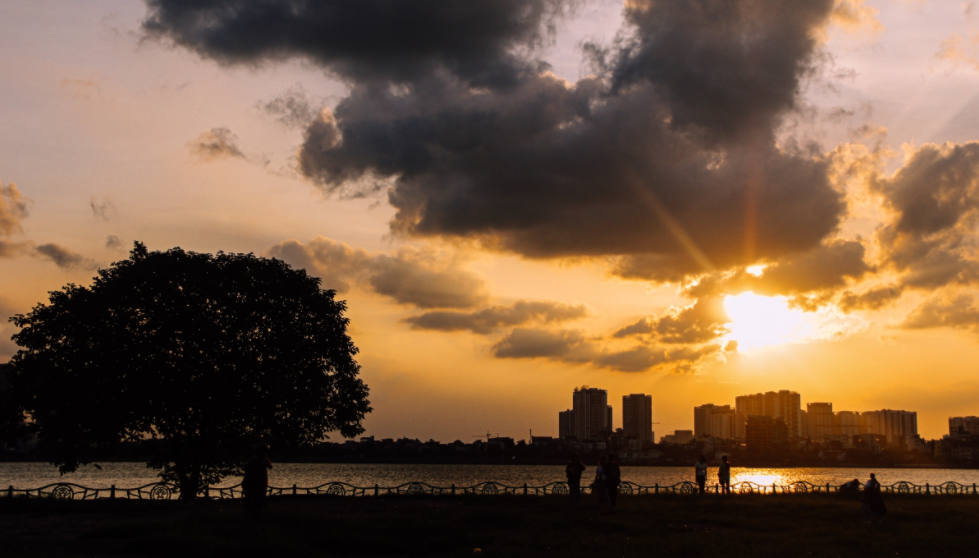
130,475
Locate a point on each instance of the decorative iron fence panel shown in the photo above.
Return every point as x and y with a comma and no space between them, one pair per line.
165,491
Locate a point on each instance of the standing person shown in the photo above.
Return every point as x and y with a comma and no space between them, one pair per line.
600,478
255,485
613,477
872,502
724,476
573,471
700,468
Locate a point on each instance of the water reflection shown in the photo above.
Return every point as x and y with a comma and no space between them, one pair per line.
33,475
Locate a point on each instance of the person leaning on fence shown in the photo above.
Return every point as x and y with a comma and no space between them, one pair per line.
600,486
255,485
573,471
872,501
700,468
613,477
724,476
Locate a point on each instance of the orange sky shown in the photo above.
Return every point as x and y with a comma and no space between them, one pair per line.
109,133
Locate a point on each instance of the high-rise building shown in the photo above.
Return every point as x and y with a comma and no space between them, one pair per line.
637,416
678,437
764,433
592,413
968,425
723,423
899,427
784,404
566,424
847,423
819,419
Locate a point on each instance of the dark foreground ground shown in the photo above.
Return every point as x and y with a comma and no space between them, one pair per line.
755,526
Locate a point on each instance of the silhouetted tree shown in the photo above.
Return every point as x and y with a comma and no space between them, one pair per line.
207,354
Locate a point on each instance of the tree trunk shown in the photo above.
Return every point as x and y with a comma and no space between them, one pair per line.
190,482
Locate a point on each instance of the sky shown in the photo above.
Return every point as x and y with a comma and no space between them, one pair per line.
694,200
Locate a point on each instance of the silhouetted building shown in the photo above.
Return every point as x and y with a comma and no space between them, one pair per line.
898,427
718,421
783,404
592,413
637,416
847,423
678,437
967,425
566,424
819,421
764,434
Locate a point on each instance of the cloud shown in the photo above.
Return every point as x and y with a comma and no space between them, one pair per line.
103,209
702,321
493,318
367,40
944,310
13,209
112,242
856,15
63,257
666,155
873,299
957,48
295,108
575,347
933,211
409,276
217,143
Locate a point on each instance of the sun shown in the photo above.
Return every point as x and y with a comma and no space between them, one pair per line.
761,321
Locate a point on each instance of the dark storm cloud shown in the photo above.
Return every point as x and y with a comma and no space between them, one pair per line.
217,143
493,318
295,108
698,323
665,159
64,257
575,347
944,310
408,276
820,272
933,201
364,40
726,68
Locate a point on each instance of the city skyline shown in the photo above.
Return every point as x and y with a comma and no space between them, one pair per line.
535,196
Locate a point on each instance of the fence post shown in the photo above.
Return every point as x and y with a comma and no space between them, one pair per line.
655,489
524,489
112,491
293,489
773,488
376,491
927,488
10,491
453,489
827,488
207,491
973,488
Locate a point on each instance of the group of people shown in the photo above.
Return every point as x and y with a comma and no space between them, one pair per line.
608,476
723,475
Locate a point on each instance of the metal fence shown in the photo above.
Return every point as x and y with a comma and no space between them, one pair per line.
165,491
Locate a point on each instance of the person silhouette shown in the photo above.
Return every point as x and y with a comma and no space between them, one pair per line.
700,470
872,502
600,486
613,477
255,485
724,476
573,471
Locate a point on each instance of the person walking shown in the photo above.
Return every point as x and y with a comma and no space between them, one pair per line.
600,479
700,469
872,501
613,477
573,471
255,485
724,476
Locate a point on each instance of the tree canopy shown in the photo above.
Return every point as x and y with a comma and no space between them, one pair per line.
208,354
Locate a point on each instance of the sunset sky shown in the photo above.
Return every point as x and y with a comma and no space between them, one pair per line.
695,200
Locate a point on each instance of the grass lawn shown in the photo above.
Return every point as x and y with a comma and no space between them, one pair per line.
512,526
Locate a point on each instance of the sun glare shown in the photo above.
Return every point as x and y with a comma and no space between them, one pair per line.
761,321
